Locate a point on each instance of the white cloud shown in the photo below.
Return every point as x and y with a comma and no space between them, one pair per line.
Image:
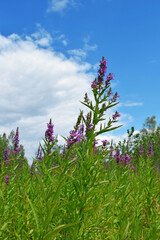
133,104
81,53
88,47
60,5
77,54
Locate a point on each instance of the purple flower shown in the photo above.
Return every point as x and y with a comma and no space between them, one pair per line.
7,179
89,125
32,170
104,142
16,139
116,115
49,131
150,150
155,169
127,158
141,150
117,156
114,99
110,76
6,156
86,99
111,153
101,71
94,84
74,137
132,167
39,154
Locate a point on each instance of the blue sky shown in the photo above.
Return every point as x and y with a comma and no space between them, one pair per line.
49,54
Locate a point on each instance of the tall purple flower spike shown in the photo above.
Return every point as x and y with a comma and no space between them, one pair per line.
49,132
16,140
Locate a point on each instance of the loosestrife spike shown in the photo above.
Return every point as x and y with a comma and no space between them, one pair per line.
49,131
16,139
6,156
117,156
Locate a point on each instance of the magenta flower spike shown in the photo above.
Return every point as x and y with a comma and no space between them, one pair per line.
117,156
102,70
150,153
75,136
39,154
16,139
127,159
49,132
7,179
6,156
141,150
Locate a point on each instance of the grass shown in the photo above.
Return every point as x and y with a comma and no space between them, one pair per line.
80,200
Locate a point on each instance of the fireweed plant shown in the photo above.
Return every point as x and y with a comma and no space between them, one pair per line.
74,193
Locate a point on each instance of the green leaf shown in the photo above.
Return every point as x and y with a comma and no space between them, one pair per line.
107,130
112,105
91,107
54,232
35,215
54,203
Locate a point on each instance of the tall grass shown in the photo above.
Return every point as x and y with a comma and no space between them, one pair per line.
77,195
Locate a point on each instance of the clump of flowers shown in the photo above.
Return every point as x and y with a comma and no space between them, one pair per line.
74,137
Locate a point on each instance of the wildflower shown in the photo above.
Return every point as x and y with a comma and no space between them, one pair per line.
94,146
86,99
103,109
101,71
116,115
117,156
74,137
39,154
111,153
104,142
89,124
114,99
155,169
141,150
49,131
110,77
32,170
132,167
127,158
150,150
64,149
16,139
7,179
6,155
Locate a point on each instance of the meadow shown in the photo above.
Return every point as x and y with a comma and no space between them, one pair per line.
76,194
